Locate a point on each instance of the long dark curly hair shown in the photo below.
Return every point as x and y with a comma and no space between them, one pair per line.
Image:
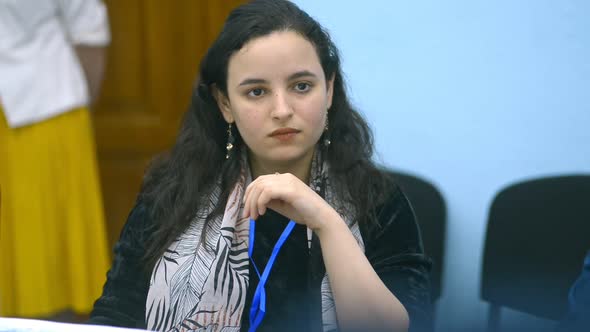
181,180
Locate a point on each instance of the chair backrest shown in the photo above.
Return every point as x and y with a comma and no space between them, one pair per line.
430,209
537,235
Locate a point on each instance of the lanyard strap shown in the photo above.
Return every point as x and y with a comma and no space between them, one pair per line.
258,308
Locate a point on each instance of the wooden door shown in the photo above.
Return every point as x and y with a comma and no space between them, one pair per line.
152,62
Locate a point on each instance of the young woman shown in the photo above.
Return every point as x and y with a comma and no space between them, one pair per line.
268,213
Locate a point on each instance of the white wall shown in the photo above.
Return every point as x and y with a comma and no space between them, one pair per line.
472,95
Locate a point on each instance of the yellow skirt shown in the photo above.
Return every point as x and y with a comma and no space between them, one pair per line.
53,247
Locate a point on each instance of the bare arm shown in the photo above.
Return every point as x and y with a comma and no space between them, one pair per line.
93,61
361,297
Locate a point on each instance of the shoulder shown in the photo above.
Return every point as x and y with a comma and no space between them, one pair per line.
393,212
138,218
138,227
393,233
395,202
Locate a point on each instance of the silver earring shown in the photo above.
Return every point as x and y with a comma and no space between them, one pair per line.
327,141
230,141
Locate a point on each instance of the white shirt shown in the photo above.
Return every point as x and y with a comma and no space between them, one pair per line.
40,75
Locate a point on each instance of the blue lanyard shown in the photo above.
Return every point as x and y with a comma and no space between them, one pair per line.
258,308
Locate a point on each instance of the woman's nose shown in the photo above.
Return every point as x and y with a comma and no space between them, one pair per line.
282,107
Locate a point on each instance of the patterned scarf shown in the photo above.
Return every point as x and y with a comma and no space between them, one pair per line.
202,286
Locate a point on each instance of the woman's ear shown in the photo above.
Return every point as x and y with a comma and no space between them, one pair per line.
330,90
222,103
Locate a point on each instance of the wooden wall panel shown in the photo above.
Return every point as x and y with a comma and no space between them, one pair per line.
124,86
153,59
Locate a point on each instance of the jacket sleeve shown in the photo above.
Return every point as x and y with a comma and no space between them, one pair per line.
394,249
124,294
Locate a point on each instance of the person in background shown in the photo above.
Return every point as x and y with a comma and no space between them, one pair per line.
578,317
53,245
270,155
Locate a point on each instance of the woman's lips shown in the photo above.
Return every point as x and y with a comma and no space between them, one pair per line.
285,137
284,134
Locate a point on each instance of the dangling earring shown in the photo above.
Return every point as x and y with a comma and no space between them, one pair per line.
230,141
326,136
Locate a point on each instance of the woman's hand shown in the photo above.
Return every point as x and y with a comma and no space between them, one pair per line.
287,195
354,282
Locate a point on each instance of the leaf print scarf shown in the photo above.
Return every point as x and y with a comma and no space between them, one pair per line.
202,286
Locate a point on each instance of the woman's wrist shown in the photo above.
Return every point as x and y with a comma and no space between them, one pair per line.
329,221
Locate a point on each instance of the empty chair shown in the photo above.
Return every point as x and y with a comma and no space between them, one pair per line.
430,209
537,235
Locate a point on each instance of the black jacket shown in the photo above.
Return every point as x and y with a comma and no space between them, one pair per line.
394,250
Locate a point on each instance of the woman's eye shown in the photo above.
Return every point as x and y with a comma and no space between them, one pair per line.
256,92
302,87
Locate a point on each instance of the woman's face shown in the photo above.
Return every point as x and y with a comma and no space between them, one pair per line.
278,98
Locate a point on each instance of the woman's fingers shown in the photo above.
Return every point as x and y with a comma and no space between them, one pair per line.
253,197
266,195
246,201
253,192
245,211
260,193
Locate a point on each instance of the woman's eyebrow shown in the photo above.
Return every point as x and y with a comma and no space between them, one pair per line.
294,76
248,81
300,74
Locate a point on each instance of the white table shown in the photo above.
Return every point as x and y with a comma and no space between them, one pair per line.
33,325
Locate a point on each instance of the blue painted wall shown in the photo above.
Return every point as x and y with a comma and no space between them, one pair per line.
472,95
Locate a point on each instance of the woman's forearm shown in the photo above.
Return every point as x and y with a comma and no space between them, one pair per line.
361,298
93,62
